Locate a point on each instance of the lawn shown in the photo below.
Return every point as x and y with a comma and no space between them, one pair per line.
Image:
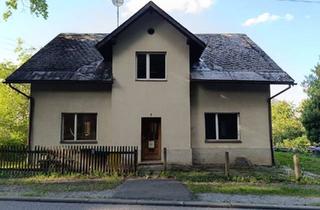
41,185
258,180
255,189
308,162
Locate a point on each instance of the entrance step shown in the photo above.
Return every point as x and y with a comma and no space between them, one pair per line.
150,169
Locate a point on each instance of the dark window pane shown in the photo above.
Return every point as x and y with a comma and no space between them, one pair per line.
157,66
86,126
141,66
228,126
210,126
68,126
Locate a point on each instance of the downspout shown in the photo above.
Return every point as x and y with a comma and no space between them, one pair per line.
270,120
31,110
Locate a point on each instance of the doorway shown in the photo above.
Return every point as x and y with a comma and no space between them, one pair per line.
150,139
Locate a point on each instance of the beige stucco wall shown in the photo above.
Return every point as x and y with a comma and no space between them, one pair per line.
251,102
49,106
132,100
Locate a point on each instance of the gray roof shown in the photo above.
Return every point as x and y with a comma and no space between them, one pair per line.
68,57
227,57
235,57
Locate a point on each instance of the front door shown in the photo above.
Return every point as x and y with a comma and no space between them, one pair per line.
150,139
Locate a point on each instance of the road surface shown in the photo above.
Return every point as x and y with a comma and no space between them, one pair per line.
17,205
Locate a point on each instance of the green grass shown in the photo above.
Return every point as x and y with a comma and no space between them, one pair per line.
41,185
257,181
261,175
255,189
99,185
308,162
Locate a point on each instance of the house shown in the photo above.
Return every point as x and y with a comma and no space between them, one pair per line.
154,84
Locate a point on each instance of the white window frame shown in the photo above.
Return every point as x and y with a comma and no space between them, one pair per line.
217,126
75,129
148,66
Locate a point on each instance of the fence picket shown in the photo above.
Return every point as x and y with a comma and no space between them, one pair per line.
68,159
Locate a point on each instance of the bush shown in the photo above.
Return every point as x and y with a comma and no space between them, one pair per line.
300,143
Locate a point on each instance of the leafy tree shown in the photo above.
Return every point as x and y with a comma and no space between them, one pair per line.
14,108
300,143
285,121
311,106
37,7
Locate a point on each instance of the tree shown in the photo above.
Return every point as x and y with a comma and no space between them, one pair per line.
37,7
285,122
14,108
311,106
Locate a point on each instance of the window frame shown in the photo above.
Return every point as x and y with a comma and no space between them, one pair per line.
75,140
217,139
148,53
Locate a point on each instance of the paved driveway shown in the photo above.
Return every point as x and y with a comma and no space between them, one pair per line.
153,189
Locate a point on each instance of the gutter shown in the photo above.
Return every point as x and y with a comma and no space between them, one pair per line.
270,119
31,111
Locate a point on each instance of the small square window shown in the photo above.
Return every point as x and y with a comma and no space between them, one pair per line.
77,127
151,66
222,126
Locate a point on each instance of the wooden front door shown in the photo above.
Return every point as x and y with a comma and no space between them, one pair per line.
150,139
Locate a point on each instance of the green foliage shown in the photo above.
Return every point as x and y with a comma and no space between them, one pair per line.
300,143
308,162
14,108
285,122
311,107
37,7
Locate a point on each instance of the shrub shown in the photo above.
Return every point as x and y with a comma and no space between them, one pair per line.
300,143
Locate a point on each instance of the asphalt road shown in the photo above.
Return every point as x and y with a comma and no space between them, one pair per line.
17,205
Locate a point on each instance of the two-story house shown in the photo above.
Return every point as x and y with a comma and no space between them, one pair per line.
154,84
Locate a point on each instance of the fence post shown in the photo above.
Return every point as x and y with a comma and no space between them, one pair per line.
165,158
135,159
297,167
227,165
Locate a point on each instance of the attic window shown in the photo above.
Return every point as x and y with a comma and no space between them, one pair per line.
151,66
151,31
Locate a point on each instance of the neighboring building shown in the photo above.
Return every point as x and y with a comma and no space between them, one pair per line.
154,84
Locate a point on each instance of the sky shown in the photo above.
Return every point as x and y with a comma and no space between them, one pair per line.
288,31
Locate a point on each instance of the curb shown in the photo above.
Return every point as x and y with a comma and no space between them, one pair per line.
200,204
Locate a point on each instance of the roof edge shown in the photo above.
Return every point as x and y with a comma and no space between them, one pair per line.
134,17
58,81
244,81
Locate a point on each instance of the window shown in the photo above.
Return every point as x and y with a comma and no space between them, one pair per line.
151,66
77,127
222,126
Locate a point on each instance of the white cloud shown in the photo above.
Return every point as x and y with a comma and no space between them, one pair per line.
267,17
187,6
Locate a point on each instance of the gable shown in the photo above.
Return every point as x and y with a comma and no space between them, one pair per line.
136,37
196,45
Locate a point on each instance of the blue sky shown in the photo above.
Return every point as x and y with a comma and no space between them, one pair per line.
289,32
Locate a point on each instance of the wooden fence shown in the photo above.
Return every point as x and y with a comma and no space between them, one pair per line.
69,159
